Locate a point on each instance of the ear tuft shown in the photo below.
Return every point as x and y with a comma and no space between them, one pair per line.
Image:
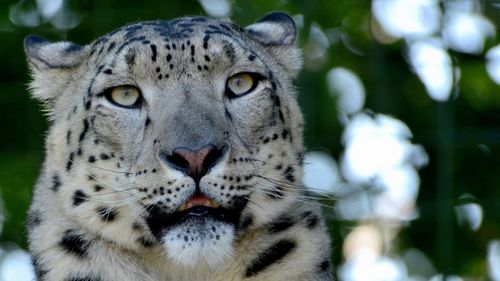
274,29
31,41
51,65
277,33
43,54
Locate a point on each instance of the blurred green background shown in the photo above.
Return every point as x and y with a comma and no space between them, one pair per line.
460,132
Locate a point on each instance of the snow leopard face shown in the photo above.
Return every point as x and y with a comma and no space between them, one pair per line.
179,134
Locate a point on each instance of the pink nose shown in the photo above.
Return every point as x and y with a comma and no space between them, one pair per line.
195,163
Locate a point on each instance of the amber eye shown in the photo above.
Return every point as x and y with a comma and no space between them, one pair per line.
125,96
241,84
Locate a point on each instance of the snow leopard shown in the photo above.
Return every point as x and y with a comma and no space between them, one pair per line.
174,152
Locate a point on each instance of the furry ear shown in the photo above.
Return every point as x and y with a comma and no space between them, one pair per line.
277,32
51,65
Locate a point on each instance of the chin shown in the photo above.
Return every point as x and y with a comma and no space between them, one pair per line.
199,234
199,242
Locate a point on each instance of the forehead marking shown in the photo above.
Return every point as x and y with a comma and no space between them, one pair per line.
180,29
153,50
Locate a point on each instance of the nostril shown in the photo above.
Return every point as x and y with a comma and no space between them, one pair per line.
213,156
177,161
194,163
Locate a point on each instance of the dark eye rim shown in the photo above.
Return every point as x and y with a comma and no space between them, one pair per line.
137,104
257,78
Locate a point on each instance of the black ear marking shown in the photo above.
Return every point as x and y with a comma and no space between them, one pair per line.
33,40
43,54
278,17
278,34
51,64
274,29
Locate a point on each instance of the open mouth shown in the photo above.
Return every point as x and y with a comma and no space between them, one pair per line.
196,201
197,208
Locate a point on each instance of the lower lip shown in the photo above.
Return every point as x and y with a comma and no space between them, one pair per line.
160,221
198,211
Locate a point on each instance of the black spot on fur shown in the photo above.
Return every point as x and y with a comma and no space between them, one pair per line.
276,193
33,220
98,188
108,71
251,57
106,214
68,137
205,41
111,46
284,134
79,197
280,114
148,121
324,266
40,271
69,164
104,156
91,159
311,220
84,131
137,226
56,183
270,256
88,104
280,224
75,243
246,222
130,58
276,99
288,174
146,243
230,52
153,50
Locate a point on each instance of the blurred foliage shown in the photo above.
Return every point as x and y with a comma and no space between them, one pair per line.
462,136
